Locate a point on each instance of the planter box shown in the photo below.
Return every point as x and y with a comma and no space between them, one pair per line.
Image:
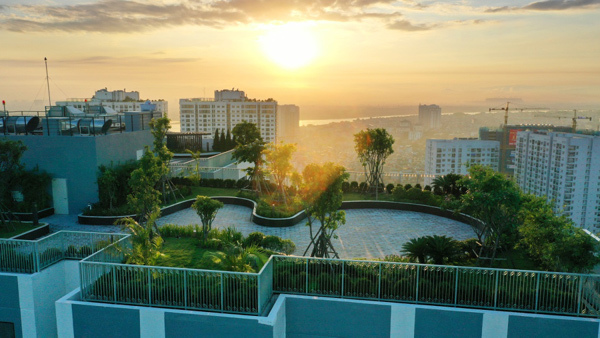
36,233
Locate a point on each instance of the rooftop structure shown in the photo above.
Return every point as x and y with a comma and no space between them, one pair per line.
564,167
226,110
118,100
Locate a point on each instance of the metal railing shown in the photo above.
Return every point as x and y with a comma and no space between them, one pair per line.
104,278
484,288
23,256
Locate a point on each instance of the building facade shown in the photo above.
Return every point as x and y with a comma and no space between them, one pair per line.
225,111
507,136
430,116
119,100
443,157
288,122
564,167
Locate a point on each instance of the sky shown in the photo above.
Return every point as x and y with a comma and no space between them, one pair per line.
306,52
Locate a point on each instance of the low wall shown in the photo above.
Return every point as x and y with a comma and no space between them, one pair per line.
291,221
28,216
296,316
36,233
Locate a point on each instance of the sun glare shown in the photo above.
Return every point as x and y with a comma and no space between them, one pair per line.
290,46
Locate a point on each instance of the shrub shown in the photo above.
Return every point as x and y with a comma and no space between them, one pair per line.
172,230
85,251
389,188
182,181
277,244
185,190
212,244
254,238
229,183
242,183
408,186
249,194
346,186
354,186
72,251
362,186
398,193
418,186
427,188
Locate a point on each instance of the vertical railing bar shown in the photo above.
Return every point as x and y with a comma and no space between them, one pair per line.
114,282
379,288
537,292
307,275
580,293
456,287
149,287
418,282
222,287
343,279
496,290
185,296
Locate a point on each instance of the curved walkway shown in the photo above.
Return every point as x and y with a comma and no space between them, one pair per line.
368,233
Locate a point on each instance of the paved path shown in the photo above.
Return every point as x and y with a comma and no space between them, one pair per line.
368,233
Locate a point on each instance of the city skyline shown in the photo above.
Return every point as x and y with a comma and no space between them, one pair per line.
351,52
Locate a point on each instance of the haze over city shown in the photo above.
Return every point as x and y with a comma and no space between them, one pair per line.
314,54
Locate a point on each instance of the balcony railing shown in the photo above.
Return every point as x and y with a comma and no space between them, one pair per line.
23,256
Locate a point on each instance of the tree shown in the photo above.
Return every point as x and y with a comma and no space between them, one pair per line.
322,196
223,140
144,198
196,157
10,164
229,141
373,147
159,128
207,209
278,159
145,242
416,249
496,201
107,181
449,184
553,241
442,249
217,141
249,148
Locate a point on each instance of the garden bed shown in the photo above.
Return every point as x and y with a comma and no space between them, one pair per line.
26,230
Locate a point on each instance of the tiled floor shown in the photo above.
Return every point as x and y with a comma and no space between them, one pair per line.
368,233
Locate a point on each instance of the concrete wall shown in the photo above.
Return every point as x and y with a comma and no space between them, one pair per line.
302,316
76,159
27,300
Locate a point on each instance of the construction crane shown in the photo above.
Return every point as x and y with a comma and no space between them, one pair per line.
573,119
506,111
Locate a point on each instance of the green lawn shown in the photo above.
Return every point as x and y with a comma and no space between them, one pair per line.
205,191
8,232
185,253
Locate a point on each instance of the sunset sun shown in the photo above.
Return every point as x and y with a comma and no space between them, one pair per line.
290,46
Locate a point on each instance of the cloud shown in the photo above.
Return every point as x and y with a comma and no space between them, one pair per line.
407,26
126,16
549,5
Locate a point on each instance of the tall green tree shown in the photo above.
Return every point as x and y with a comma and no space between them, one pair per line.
229,141
144,197
496,201
207,209
159,128
278,158
249,148
10,165
322,195
373,147
146,243
196,156
217,140
553,241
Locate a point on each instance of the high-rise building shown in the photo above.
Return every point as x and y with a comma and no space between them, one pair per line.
288,121
507,136
443,157
430,116
226,110
119,100
564,167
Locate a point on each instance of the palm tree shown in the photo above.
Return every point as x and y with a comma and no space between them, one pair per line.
441,249
145,241
416,249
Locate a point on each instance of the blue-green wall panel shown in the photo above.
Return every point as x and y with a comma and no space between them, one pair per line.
12,316
439,323
332,318
100,321
522,326
9,292
182,325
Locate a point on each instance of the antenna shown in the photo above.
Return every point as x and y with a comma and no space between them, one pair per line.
48,82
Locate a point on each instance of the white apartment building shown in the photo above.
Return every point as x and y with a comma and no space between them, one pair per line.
565,168
288,122
444,157
225,111
119,100
430,116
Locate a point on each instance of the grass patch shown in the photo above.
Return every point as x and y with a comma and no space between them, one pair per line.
7,231
185,253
